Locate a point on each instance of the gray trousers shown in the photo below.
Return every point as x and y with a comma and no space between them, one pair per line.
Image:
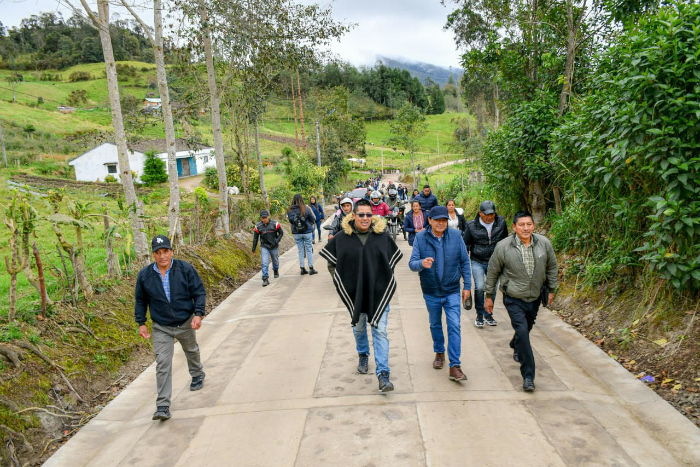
164,346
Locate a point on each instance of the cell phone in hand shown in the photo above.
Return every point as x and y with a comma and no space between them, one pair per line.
468,303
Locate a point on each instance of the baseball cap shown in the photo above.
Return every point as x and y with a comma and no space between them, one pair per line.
438,212
160,241
487,207
264,213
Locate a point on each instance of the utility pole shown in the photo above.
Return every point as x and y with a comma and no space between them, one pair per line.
438,143
318,155
382,150
2,144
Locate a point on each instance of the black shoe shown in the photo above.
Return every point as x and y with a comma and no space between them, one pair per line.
384,383
363,365
304,271
490,321
197,382
479,321
313,242
528,385
162,413
515,356
277,273
265,282
312,271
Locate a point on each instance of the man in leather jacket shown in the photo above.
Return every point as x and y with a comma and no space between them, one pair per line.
270,233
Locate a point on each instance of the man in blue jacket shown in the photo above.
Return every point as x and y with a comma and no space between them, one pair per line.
440,257
174,294
427,198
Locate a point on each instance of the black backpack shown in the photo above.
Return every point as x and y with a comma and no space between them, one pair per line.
298,222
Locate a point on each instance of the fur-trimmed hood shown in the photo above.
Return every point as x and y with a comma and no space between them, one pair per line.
378,224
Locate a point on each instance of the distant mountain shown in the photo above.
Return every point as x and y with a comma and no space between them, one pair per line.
423,70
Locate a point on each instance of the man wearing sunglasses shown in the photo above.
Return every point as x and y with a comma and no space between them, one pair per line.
361,258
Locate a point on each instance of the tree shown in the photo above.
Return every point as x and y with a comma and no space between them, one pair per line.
437,98
2,146
154,170
407,127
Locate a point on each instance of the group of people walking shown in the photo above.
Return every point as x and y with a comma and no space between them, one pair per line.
448,253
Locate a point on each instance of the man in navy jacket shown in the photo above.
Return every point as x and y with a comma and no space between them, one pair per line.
174,294
440,257
427,198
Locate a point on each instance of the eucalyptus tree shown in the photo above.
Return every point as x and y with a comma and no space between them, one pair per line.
100,20
156,40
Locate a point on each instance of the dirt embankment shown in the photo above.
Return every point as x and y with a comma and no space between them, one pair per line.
652,335
81,357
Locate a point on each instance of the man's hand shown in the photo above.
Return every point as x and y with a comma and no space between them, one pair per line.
143,332
196,322
488,305
427,263
550,299
466,294
330,237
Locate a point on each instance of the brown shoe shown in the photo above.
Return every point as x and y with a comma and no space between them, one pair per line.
456,374
439,361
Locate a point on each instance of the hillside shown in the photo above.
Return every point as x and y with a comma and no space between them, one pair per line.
422,70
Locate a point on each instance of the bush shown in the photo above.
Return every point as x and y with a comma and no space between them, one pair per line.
110,179
153,170
77,97
79,76
233,178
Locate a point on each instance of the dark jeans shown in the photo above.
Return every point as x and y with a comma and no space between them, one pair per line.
313,232
522,317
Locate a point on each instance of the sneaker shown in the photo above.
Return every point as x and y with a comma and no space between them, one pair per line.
528,384
490,321
384,383
312,271
265,282
304,271
277,273
363,365
479,321
456,374
197,382
162,413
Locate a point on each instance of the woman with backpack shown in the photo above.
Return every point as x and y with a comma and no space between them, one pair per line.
302,220
320,215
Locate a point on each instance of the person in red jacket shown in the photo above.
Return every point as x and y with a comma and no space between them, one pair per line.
379,207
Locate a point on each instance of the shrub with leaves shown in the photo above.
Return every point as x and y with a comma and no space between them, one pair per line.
153,170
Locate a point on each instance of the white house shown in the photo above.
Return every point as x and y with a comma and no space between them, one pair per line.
101,161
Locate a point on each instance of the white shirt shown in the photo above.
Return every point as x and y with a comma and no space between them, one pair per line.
488,226
453,222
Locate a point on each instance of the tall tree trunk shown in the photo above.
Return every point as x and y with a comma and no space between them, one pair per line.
260,164
572,30
159,52
29,272
2,145
137,227
42,284
216,124
496,110
112,262
301,113
294,105
538,205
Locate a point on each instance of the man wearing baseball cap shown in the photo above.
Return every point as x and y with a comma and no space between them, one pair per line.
269,232
440,259
174,294
481,236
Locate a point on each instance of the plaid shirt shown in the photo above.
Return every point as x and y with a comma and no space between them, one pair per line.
528,256
166,279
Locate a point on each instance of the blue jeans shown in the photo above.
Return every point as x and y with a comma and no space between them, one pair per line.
479,271
451,305
304,245
380,341
265,255
313,232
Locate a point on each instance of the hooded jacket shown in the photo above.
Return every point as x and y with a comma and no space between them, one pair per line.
451,252
476,237
269,234
427,202
507,263
363,274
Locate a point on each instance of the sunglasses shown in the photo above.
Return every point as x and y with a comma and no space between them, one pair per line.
363,215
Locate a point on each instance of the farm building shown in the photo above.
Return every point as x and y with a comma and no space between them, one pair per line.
101,161
153,102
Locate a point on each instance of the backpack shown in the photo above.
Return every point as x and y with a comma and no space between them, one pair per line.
298,222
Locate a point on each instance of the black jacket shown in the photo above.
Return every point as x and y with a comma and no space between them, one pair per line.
269,234
308,217
187,295
363,274
476,237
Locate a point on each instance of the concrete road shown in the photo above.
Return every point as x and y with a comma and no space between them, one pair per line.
282,390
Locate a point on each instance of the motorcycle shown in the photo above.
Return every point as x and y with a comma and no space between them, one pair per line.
393,224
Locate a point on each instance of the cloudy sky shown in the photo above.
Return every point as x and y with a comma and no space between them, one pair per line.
408,29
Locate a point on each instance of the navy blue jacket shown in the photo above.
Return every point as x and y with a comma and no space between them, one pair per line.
451,252
427,202
410,228
309,217
318,212
187,295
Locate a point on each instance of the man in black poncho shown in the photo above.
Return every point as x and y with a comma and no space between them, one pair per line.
361,258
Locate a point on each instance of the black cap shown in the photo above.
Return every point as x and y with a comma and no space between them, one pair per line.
487,207
426,186
438,212
264,213
160,241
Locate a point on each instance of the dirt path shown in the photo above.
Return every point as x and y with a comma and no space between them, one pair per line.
190,183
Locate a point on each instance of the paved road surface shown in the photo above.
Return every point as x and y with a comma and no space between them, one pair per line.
282,390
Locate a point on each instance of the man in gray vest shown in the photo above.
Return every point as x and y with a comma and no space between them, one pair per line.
524,262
